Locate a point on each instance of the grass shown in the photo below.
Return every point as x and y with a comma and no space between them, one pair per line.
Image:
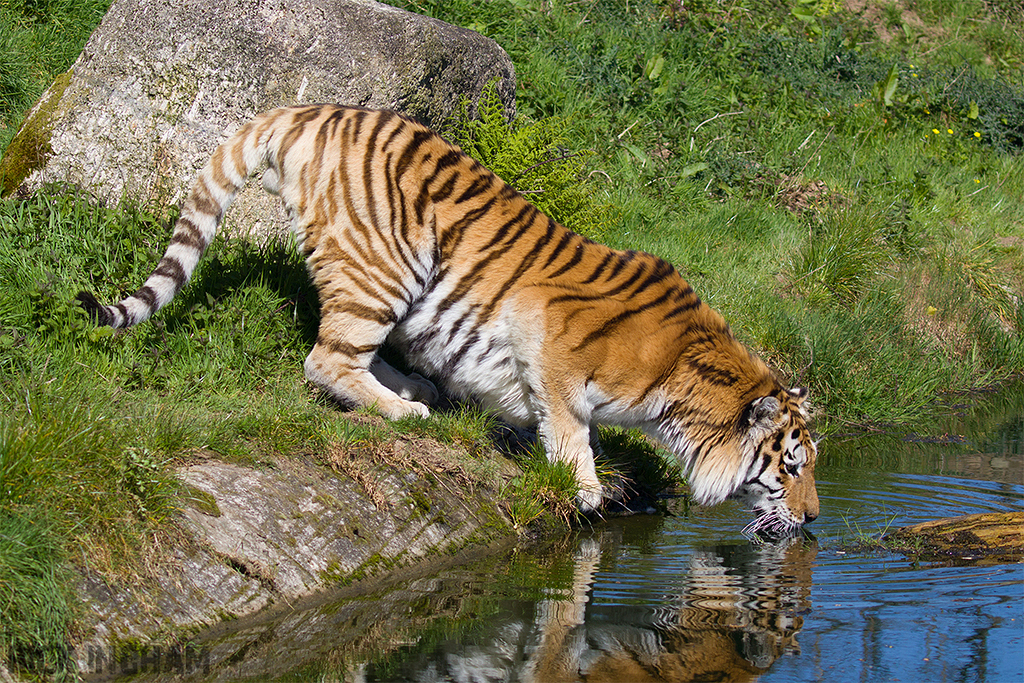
854,538
846,187
38,40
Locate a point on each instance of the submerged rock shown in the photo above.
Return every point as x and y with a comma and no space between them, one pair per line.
997,536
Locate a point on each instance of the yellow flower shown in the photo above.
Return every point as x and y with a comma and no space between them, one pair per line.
977,134
935,130
949,130
927,112
977,181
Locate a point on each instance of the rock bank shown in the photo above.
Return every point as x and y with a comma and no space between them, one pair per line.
270,536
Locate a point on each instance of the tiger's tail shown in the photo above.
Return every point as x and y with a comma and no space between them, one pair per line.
216,187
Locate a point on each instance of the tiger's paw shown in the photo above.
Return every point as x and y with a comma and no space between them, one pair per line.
397,408
419,388
588,499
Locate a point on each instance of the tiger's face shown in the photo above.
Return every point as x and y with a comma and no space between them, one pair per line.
779,483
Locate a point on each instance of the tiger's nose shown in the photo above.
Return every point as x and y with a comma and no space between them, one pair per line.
810,517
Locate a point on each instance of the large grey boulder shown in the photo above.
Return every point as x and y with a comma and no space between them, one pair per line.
162,82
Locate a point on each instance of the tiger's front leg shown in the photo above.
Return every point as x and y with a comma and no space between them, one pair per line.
567,437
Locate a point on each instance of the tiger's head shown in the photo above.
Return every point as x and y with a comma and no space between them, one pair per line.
752,445
779,457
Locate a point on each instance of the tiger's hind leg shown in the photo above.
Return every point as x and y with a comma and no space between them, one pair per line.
344,362
352,376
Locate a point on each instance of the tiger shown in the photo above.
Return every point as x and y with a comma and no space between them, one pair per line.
731,613
410,241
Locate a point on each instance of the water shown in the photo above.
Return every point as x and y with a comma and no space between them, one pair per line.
686,597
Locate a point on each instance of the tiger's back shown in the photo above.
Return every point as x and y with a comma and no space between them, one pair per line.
410,240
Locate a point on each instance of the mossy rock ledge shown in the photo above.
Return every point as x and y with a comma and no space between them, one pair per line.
256,537
995,536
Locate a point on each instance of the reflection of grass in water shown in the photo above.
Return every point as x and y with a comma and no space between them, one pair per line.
964,425
458,614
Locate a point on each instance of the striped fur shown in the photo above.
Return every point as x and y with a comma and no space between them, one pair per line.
409,240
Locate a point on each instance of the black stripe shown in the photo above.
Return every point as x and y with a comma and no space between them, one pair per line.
689,300
568,265
452,235
420,341
624,258
313,166
480,184
344,348
662,270
501,232
600,268
614,322
172,268
578,298
683,308
562,243
445,190
712,374
357,310
418,138
450,158
456,357
365,231
421,204
395,252
202,201
295,129
188,234
359,115
147,296
629,281
399,130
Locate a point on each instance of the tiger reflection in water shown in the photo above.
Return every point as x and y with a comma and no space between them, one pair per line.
738,611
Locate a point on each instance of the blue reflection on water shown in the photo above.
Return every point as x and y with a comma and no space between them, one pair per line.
883,621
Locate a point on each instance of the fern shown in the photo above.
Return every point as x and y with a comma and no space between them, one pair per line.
535,158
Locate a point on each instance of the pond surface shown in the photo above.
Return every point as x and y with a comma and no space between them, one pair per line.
687,597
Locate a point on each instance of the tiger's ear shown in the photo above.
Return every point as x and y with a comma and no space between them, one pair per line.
799,393
762,412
